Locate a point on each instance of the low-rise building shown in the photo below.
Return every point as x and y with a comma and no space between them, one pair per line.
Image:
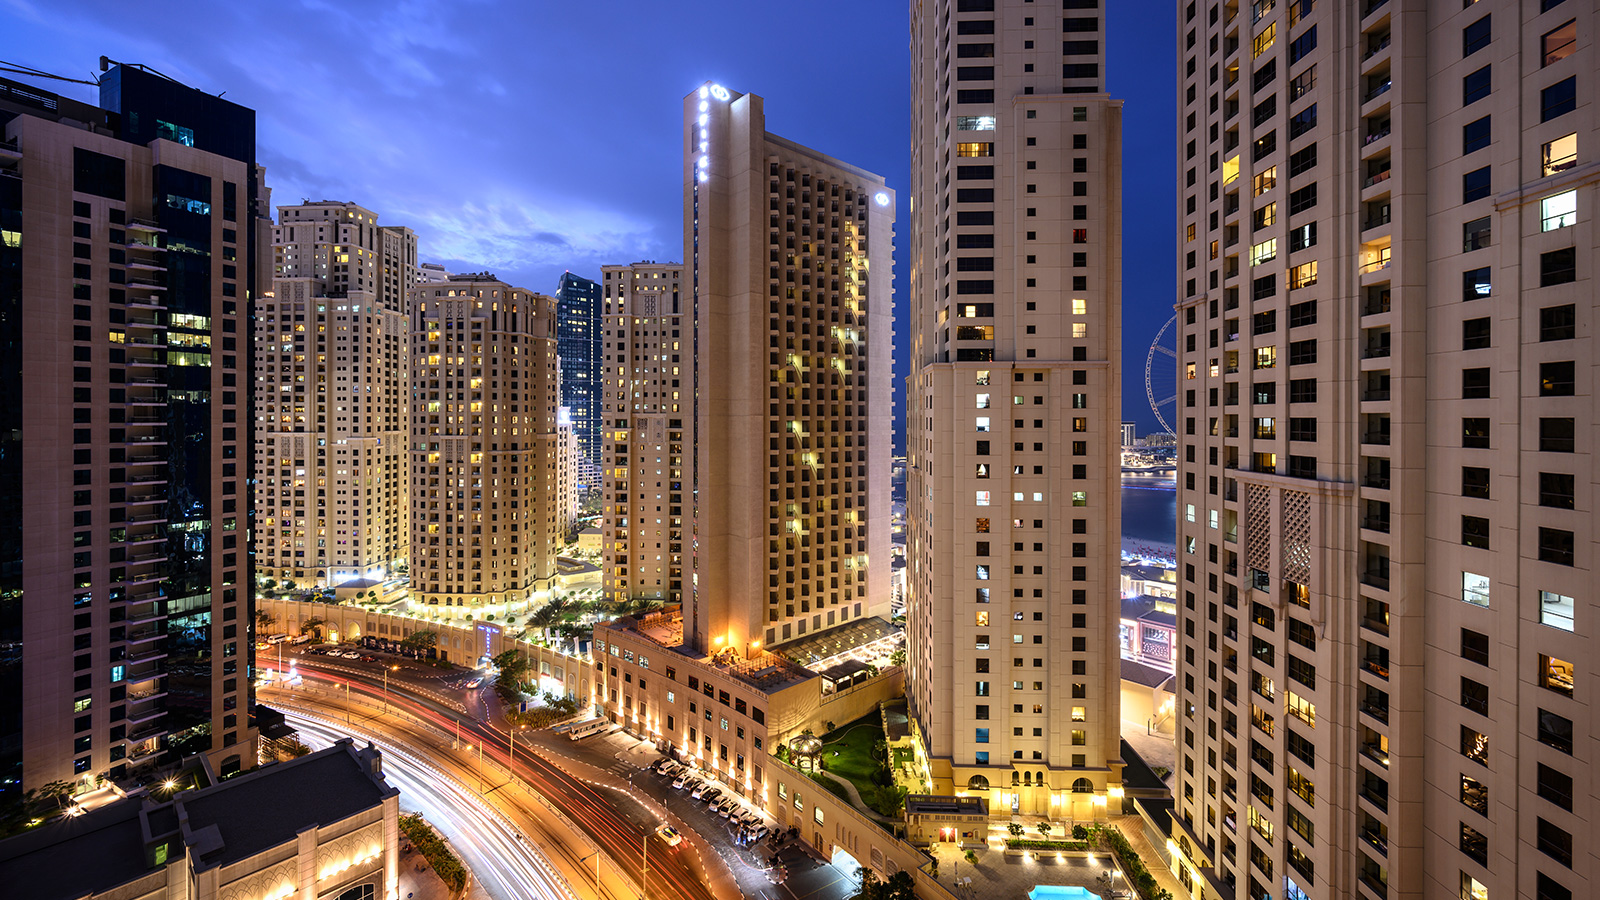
325,825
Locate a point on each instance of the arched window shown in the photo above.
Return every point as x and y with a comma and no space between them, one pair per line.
1038,778
1083,786
1027,778
977,783
1016,779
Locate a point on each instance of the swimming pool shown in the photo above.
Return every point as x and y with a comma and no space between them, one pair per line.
1061,892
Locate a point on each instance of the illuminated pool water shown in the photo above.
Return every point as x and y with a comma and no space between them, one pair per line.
1059,892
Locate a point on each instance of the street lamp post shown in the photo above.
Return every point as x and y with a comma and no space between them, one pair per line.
386,671
596,855
644,870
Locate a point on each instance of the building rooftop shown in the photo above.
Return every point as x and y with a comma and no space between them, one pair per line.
941,805
1150,573
219,825
1141,674
766,672
823,647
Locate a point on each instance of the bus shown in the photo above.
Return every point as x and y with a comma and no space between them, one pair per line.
584,729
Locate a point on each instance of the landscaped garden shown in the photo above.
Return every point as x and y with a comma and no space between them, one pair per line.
858,753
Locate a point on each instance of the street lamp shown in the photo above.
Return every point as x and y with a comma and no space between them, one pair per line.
596,855
386,671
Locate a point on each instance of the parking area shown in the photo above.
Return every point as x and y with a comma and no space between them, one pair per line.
768,865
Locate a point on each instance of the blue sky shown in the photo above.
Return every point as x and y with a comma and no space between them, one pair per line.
528,138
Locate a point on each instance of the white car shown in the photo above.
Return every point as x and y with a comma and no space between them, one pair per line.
725,808
681,780
669,834
474,683
701,789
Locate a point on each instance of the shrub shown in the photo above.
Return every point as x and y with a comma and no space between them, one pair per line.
423,837
1024,844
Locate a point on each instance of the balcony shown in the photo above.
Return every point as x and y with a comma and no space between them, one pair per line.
1377,178
1377,665
1376,753
1373,7
1376,709
146,732
1376,44
1377,90
1376,839
1376,792
1377,259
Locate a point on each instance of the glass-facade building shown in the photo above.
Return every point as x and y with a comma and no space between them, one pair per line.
578,351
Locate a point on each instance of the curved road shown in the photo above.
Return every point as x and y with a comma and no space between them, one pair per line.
670,874
496,853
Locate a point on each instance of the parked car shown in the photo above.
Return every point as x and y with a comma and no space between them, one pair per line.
703,791
725,808
685,780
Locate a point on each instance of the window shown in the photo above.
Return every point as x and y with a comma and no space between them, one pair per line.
1303,275
1475,86
1555,546
1558,323
1558,43
1558,99
1475,135
1475,588
1475,234
1303,237
1556,435
1474,647
1556,675
1266,180
1263,252
1474,384
1556,610
1475,795
1475,696
1266,215
1264,41
1303,45
1303,121
1303,160
1475,283
1475,37
1557,379
1474,844
1475,745
975,149
1555,786
1555,731
975,123
1558,211
1555,842
1475,185
1560,154
1475,482
1556,490
1303,199
1476,334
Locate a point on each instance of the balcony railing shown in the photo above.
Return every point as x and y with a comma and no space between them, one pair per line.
1375,710
1374,48
1376,92
1377,134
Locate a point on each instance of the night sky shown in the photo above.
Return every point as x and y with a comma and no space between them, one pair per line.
527,138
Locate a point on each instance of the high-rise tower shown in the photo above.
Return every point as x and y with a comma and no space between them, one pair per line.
1386,523
578,342
1014,405
332,394
127,267
484,523
789,262
648,409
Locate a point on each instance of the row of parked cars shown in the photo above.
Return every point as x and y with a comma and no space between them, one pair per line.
337,652
747,822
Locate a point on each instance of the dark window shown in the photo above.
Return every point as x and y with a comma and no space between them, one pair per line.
1555,842
1474,383
1304,44
975,73
1555,786
1303,199
1556,435
1555,731
1475,185
1558,323
1475,696
1475,37
1555,546
1303,160
98,174
964,173
1475,135
1475,334
1474,844
1475,86
1475,532
975,96
1558,267
1545,887
1474,647
1264,111
1556,490
1558,99
1303,314
1475,482
1303,390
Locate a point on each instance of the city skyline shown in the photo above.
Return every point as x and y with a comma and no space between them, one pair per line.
528,207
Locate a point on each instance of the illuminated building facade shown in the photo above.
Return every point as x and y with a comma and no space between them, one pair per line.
484,524
1386,494
578,342
129,258
648,378
788,259
1014,406
332,398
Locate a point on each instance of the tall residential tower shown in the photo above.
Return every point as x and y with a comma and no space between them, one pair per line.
484,523
1386,531
127,267
790,283
578,342
332,394
1014,405
647,407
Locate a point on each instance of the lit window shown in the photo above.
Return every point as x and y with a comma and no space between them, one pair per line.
983,423
1264,251
975,123
1266,357
1080,307
1556,610
1263,41
981,498
1080,498
1303,275
1188,512
1560,154
1080,329
1475,589
1559,210
983,401
974,149
1266,180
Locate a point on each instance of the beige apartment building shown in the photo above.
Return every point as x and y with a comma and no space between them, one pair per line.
647,411
130,236
790,291
332,398
1014,407
1386,532
484,523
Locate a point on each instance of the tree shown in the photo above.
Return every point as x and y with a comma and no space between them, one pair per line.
418,641
58,791
898,657
1044,829
1015,828
265,620
312,625
292,748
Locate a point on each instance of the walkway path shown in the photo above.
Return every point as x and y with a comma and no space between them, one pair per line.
855,798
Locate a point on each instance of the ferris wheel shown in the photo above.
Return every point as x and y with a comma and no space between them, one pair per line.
1161,375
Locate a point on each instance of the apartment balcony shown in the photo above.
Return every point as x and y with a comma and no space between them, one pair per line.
144,226
1375,97
1375,45
1375,791
1376,578
150,556
1376,839
138,716
1376,662
1370,8
1377,302
1376,753
148,693
1376,438
146,732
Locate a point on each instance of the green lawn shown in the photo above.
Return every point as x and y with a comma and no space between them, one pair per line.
853,743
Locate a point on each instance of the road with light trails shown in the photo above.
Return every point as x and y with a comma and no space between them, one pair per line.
620,827
492,848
